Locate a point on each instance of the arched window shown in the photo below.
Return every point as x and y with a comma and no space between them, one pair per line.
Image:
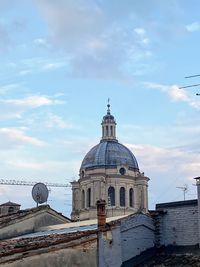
111,196
83,199
106,130
89,197
111,130
131,198
122,197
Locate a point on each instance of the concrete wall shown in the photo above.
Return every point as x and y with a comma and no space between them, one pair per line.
179,224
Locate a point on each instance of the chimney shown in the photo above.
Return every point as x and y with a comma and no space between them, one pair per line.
101,212
198,199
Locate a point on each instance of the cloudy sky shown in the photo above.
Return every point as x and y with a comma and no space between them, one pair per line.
61,60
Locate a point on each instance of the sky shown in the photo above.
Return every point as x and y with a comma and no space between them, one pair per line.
60,62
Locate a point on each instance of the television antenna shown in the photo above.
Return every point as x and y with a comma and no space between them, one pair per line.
191,85
40,193
184,189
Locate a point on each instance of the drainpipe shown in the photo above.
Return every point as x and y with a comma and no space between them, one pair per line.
198,203
101,222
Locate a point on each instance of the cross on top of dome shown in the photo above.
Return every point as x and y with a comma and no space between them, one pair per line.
108,105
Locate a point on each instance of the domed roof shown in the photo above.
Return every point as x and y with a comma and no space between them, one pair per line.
109,154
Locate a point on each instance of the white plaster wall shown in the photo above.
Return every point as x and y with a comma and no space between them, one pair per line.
137,235
110,248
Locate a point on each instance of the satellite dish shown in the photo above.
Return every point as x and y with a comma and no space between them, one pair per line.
40,193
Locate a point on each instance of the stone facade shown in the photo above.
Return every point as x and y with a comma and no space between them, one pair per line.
110,172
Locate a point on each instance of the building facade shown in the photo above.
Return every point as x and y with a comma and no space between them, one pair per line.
9,208
109,171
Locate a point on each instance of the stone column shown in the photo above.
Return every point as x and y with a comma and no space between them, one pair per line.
117,198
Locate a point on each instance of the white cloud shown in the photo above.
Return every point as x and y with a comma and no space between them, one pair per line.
193,27
8,87
40,42
97,38
14,108
140,31
176,94
13,137
24,72
57,122
53,66
167,169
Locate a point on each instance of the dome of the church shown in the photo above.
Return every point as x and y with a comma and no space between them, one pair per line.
109,153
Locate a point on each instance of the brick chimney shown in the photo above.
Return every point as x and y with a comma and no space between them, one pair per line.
101,212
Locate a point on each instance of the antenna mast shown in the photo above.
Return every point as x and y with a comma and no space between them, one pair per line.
184,188
191,85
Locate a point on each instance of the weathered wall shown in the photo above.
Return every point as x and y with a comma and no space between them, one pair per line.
137,235
110,251
179,224
60,258
132,236
29,224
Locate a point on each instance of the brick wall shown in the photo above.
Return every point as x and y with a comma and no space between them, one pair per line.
178,225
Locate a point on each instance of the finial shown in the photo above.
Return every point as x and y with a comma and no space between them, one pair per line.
108,105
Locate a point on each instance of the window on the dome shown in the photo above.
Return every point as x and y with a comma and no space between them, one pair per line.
89,197
122,171
83,199
111,196
131,197
122,197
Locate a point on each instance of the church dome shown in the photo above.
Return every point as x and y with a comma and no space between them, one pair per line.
108,154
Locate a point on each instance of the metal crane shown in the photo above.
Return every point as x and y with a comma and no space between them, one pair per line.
30,183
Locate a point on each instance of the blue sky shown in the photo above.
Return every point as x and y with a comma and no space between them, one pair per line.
61,60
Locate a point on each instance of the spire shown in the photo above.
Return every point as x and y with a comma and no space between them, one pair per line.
108,105
108,125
